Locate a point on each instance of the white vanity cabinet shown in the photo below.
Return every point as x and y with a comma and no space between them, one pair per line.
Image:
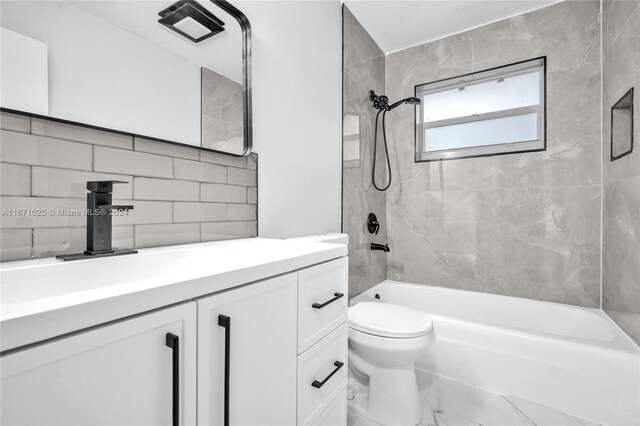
264,344
123,373
247,354
322,344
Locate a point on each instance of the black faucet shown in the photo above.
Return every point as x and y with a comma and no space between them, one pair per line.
99,220
382,247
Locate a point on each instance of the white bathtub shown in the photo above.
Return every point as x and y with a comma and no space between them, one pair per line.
573,359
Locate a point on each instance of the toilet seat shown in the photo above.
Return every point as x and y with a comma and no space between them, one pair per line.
389,320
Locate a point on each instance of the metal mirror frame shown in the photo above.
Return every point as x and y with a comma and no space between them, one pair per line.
247,117
247,129
627,93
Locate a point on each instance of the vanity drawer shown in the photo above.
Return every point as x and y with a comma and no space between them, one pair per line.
335,414
322,375
325,287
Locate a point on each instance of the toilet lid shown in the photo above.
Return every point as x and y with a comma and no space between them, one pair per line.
389,320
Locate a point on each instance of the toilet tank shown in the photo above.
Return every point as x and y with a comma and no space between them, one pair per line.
334,238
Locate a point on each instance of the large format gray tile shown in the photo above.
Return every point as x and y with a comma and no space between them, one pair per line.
166,234
73,184
15,180
364,70
109,160
621,207
72,132
20,148
519,224
15,245
621,246
165,189
540,244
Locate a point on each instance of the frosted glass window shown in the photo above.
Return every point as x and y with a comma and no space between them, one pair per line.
517,128
491,112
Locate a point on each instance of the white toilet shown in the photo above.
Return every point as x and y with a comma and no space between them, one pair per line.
384,342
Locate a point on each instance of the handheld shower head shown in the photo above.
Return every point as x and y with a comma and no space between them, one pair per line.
409,101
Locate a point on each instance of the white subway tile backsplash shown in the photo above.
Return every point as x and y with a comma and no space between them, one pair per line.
110,160
223,193
242,177
179,194
72,132
243,212
223,160
252,162
73,184
213,231
252,195
167,149
20,148
166,234
15,180
252,229
48,242
198,171
15,122
200,212
15,245
33,212
165,189
144,212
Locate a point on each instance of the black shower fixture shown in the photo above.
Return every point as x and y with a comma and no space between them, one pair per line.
191,20
381,103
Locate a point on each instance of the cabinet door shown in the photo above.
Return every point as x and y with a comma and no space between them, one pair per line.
256,324
122,373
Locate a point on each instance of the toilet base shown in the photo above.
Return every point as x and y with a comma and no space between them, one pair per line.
389,398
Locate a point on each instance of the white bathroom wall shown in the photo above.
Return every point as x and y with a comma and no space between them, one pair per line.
103,75
297,98
23,73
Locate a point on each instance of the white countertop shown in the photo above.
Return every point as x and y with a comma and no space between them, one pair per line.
41,299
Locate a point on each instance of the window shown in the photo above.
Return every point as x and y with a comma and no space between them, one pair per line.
497,111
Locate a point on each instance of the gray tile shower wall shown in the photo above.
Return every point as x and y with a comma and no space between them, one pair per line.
621,212
364,70
524,225
180,194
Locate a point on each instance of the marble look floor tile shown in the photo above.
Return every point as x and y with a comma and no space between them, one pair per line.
447,402
541,415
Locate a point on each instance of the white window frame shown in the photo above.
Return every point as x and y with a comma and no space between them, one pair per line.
539,144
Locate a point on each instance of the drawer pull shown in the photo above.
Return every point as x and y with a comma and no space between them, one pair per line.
317,384
322,305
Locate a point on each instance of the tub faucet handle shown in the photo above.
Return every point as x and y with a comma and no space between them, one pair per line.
372,224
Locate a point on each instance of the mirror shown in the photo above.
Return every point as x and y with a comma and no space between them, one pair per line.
172,71
622,126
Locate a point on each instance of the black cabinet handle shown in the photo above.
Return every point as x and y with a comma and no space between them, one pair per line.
173,342
322,305
317,384
225,322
